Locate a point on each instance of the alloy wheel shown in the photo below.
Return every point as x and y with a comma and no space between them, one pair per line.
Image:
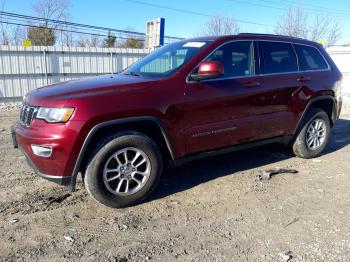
126,171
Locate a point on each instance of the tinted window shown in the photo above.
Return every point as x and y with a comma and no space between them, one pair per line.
310,58
166,60
236,57
278,58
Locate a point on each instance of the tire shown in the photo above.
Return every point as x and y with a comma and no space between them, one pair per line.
300,146
109,162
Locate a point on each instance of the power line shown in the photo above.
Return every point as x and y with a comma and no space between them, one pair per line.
317,6
49,25
40,19
189,12
78,25
66,30
308,10
311,8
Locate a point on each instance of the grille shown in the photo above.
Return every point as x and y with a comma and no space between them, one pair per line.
27,114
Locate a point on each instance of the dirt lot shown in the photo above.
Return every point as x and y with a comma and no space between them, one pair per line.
208,210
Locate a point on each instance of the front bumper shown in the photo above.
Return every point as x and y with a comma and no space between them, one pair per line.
58,167
61,180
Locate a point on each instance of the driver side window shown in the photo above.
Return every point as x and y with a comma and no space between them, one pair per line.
237,58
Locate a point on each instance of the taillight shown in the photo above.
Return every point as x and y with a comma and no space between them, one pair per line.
338,86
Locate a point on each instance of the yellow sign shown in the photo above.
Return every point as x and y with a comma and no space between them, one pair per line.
26,43
321,42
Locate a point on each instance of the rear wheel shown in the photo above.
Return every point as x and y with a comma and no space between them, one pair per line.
313,136
124,171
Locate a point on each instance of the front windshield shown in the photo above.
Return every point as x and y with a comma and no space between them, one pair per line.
166,60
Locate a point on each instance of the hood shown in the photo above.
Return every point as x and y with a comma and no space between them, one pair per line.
90,86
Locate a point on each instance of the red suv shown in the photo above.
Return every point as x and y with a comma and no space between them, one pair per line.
189,99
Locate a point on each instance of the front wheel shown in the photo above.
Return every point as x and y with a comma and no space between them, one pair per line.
124,171
313,136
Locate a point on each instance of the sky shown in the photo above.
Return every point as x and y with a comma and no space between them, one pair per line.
186,18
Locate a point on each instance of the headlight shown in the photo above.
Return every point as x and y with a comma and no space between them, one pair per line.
55,115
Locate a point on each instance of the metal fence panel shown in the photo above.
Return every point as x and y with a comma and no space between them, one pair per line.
341,56
25,68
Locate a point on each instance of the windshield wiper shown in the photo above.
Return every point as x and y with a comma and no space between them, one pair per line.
132,74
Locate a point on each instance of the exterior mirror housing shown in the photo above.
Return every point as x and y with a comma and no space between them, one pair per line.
209,70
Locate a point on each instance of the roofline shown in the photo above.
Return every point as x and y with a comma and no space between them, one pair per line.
276,36
253,35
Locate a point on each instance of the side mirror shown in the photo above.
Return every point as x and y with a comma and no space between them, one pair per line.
209,70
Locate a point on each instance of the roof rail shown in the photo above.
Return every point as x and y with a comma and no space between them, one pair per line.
273,35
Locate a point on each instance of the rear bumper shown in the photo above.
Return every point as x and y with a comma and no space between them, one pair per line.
339,107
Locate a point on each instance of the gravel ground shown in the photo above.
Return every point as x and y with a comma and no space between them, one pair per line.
10,106
207,210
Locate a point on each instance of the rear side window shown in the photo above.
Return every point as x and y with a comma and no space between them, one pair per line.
310,58
278,58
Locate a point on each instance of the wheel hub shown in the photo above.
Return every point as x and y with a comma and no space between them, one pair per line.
127,171
316,134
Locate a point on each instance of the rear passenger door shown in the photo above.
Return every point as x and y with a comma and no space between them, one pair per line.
312,66
279,70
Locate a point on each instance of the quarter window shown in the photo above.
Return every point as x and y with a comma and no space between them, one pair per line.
278,58
236,57
310,58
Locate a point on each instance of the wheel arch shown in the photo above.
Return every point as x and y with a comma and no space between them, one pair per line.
327,103
148,125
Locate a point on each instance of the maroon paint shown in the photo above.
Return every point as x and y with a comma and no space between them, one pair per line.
238,110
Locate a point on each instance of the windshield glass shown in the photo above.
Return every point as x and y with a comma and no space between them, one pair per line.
166,60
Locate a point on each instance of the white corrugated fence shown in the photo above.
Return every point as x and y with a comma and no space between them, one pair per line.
25,68
341,56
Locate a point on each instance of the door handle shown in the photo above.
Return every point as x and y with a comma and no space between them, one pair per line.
251,84
304,79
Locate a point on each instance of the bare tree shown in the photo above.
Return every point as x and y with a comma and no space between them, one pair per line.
19,34
50,10
89,41
132,40
94,41
81,42
4,37
324,28
65,37
221,25
295,22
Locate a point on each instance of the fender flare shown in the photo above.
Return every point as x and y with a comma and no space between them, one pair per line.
99,126
308,106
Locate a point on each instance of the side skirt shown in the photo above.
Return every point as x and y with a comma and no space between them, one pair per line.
285,140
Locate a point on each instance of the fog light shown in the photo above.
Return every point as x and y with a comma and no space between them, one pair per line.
43,151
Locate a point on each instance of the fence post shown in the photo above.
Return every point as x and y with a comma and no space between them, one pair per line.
46,73
111,62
